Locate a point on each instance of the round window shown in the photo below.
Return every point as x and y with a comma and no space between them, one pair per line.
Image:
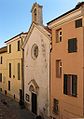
34,51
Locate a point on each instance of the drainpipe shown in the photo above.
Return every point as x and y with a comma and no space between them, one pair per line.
50,77
82,11
82,14
23,75
22,83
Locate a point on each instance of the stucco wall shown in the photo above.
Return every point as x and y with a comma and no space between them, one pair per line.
37,69
72,63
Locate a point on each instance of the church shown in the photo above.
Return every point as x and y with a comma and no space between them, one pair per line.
37,48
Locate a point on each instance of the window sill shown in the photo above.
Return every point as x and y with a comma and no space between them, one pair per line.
71,95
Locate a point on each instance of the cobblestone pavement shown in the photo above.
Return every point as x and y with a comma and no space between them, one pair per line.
10,109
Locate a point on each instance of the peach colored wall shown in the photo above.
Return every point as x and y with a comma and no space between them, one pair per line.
72,63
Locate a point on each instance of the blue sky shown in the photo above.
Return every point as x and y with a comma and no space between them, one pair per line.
15,15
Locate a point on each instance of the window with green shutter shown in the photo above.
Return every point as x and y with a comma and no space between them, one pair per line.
65,84
74,85
70,84
72,45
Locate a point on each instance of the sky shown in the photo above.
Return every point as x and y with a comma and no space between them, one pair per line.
15,15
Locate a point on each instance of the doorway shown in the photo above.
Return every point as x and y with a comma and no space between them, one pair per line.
34,103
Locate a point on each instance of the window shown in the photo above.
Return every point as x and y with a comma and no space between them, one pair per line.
72,45
9,85
78,23
55,105
10,70
58,68
18,44
0,77
18,71
70,84
58,35
1,60
27,98
34,51
10,48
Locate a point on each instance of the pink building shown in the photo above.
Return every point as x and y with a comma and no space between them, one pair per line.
67,64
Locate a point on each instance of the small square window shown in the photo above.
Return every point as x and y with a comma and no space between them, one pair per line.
78,23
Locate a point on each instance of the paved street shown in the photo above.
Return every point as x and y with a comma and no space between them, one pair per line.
10,109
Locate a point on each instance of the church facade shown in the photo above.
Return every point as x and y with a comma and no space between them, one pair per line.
37,64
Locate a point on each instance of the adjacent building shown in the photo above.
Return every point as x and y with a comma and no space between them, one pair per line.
37,47
67,64
3,69
14,66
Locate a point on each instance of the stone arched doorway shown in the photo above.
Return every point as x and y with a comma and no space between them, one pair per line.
33,88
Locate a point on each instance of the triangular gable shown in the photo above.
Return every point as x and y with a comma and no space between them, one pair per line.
40,28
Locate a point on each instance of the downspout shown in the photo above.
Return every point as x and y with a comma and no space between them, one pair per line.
22,66
83,71
23,75
50,77
83,54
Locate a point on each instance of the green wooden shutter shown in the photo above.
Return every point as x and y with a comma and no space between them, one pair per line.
74,85
72,45
65,83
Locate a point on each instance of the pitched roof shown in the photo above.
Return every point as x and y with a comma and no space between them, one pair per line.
43,29
3,49
77,7
16,36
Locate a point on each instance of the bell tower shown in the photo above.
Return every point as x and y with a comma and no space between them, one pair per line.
37,14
